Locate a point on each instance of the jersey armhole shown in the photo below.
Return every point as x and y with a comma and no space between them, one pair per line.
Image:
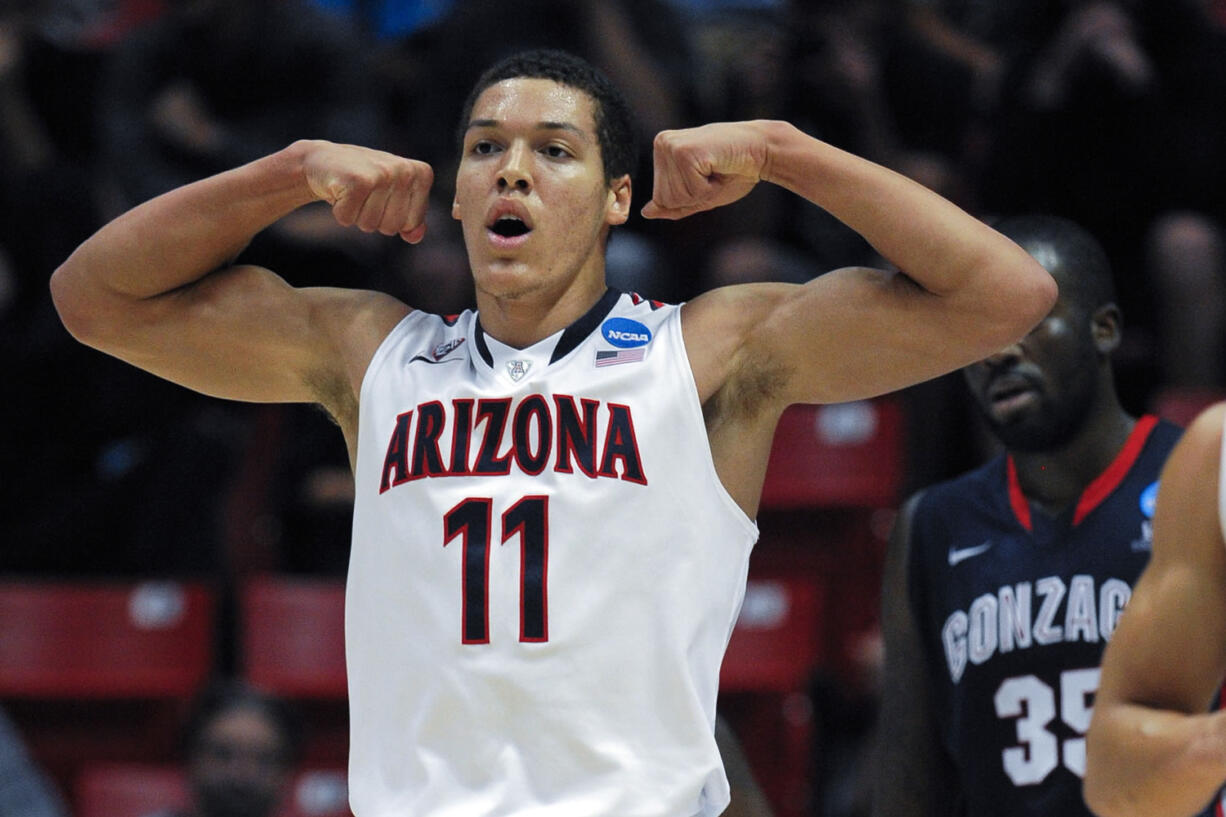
694,407
383,350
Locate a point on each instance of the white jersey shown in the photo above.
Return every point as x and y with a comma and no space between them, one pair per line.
545,573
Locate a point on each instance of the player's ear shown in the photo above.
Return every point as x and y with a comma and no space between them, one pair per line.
455,210
1107,325
618,208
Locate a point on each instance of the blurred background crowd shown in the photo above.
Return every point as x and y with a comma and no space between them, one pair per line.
1109,112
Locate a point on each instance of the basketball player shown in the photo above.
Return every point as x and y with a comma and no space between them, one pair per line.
1155,747
1002,585
555,493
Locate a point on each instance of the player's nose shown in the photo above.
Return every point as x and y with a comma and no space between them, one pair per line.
515,171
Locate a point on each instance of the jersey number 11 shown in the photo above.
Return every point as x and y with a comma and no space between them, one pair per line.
471,521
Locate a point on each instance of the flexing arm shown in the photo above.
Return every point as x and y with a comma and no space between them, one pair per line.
849,334
1153,747
907,752
155,286
968,291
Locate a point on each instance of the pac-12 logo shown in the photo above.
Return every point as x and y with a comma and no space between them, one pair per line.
625,333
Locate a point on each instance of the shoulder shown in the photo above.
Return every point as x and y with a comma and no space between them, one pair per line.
931,517
968,489
353,323
1196,459
1187,517
1198,451
1206,427
356,307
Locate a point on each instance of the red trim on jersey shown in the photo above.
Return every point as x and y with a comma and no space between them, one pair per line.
1096,491
637,299
1017,499
1109,480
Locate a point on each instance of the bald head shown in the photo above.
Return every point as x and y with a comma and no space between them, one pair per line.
1073,257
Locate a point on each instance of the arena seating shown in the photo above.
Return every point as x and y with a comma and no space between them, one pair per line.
92,670
842,455
291,632
138,790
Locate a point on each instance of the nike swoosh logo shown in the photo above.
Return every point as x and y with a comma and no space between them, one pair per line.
432,361
958,555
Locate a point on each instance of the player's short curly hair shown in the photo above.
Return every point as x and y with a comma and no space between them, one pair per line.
614,123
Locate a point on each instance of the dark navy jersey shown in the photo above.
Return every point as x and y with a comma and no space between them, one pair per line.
1015,608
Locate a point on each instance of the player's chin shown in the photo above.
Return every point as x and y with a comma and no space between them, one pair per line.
507,279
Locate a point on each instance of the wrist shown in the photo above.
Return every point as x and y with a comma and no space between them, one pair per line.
284,174
777,138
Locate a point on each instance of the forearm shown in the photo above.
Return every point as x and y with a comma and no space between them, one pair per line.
937,244
1155,763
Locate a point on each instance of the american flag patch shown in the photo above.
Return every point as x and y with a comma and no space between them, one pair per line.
612,358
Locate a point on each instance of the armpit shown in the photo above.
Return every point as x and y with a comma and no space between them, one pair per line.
756,383
336,398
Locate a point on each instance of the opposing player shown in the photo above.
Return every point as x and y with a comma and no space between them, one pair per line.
555,493
1157,742
1002,585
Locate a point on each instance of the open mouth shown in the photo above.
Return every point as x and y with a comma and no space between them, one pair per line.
509,227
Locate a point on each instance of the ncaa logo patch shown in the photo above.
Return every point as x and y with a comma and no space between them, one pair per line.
1149,498
625,333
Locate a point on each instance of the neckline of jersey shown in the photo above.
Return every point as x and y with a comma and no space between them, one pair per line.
1099,488
571,336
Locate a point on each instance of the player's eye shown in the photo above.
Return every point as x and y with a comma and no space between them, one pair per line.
484,147
555,151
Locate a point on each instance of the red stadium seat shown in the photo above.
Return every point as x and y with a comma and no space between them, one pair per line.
292,632
837,455
114,640
293,636
775,649
776,644
139,790
129,790
1181,405
93,670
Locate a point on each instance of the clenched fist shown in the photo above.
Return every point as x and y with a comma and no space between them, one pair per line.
370,189
703,168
